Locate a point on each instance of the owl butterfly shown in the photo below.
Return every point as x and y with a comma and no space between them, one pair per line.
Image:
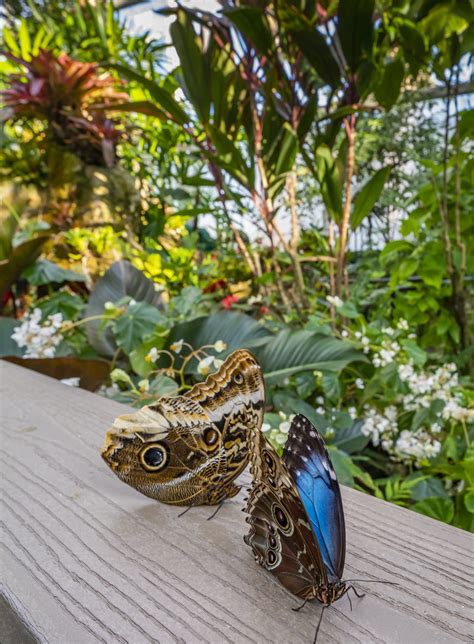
187,450
295,514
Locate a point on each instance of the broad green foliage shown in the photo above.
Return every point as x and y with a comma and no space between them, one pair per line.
300,186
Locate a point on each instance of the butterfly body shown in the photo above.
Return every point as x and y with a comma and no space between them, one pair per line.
295,514
188,450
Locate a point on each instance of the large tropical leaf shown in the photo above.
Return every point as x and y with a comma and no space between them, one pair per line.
237,330
120,280
9,347
45,272
365,199
294,351
355,29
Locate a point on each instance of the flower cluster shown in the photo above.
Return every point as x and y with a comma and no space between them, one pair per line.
278,435
40,338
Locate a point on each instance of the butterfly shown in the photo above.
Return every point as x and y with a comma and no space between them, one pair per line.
188,449
295,512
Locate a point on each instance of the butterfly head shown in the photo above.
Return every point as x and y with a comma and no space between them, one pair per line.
327,595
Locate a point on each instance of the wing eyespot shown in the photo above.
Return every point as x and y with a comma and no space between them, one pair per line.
154,457
238,378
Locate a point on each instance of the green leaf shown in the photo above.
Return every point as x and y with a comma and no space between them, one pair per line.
437,508
329,182
331,386
417,354
139,321
315,49
9,347
120,280
442,22
290,405
189,48
355,29
366,198
343,466
388,89
46,272
427,488
137,357
351,439
295,351
237,330
164,98
469,501
252,23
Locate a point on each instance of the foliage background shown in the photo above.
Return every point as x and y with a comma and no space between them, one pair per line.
295,186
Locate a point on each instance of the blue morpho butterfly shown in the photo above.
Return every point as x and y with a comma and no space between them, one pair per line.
296,518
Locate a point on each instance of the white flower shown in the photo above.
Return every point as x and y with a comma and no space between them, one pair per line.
177,346
266,427
320,410
334,300
365,341
352,412
280,439
285,427
132,302
204,365
282,415
71,382
344,334
320,400
412,336
218,363
108,306
388,330
402,324
152,355
359,383
144,385
39,338
358,335
220,346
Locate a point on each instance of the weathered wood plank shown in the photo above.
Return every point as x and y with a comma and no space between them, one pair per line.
85,558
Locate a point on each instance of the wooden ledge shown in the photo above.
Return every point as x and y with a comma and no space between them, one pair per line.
87,559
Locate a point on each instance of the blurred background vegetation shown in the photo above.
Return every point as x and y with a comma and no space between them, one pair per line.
290,177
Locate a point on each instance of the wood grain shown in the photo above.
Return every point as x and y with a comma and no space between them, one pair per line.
86,559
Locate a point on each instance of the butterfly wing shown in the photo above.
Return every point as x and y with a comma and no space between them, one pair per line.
188,449
310,467
168,451
280,533
234,399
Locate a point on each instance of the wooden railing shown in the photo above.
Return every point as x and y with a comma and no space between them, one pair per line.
86,559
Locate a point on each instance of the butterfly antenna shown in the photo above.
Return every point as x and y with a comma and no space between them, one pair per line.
319,625
373,581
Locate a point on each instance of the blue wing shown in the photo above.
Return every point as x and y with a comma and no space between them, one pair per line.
309,465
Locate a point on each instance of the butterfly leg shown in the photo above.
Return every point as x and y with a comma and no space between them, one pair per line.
216,510
181,514
296,610
355,591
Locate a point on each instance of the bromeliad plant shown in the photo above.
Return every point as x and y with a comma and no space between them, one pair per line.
66,94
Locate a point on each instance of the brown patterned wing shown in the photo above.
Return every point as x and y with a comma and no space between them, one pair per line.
280,533
187,450
234,399
168,451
